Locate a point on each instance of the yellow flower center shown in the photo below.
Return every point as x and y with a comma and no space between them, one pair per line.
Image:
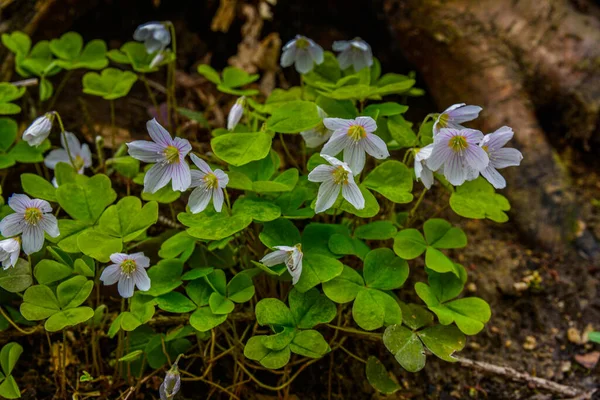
321,129
302,43
128,266
340,176
211,181
458,143
443,120
486,149
78,161
33,215
357,132
171,154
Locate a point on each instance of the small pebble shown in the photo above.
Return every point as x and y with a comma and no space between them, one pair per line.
530,343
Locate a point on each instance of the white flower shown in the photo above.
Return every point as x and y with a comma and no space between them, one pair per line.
158,58
235,114
303,52
39,129
459,153
319,134
354,137
208,183
355,52
81,154
493,144
422,171
9,252
291,256
171,385
455,115
155,35
31,218
336,176
169,156
129,271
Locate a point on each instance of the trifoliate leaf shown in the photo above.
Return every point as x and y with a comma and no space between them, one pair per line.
477,199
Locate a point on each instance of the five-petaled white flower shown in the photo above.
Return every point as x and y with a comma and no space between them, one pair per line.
355,52
303,52
129,271
493,144
459,153
454,116
81,154
354,137
422,171
39,129
209,184
169,156
290,256
319,134
155,35
9,252
235,114
32,218
335,177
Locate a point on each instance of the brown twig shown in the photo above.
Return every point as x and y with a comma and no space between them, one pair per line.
511,373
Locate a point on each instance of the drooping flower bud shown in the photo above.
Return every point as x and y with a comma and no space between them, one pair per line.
235,114
172,383
39,130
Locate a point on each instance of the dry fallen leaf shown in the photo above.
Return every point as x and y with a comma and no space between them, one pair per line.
588,360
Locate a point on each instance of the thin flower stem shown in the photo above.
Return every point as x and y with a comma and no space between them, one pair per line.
64,135
10,321
227,202
113,129
345,350
287,152
173,68
302,86
60,88
354,331
149,90
412,212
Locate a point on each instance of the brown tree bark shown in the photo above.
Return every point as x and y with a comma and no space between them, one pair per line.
515,59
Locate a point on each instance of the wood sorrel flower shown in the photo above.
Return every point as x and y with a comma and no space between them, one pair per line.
9,252
129,271
155,35
39,129
209,184
319,134
32,218
290,256
493,144
235,114
172,383
422,171
335,177
169,156
454,116
303,52
354,137
355,52
459,153
81,154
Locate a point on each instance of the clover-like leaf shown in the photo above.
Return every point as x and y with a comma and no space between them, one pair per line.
8,93
317,269
110,84
345,287
310,308
406,347
377,230
38,187
86,201
379,377
165,277
440,234
128,219
309,343
241,148
293,117
443,341
17,278
393,180
72,55
272,359
9,355
373,309
477,199
383,270
279,232
214,226
256,208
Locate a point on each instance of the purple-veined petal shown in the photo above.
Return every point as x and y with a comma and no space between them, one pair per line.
472,136
275,258
338,142
126,286
334,124
50,225
218,198
199,199
184,147
424,153
201,164
141,279
235,115
441,154
55,156
321,173
375,146
454,170
72,141
288,56
497,139
182,178
111,274
197,178
12,225
426,177
494,177
507,157
146,151
86,154
304,61
43,205
294,265
327,195
354,156
118,258
14,257
19,202
222,178
463,113
140,259
159,134
476,157
285,248
157,177
33,239
366,122
353,195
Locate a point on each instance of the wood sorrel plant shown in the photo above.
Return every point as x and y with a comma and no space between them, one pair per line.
298,229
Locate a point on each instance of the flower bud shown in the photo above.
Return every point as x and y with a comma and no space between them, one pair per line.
39,130
170,386
235,114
